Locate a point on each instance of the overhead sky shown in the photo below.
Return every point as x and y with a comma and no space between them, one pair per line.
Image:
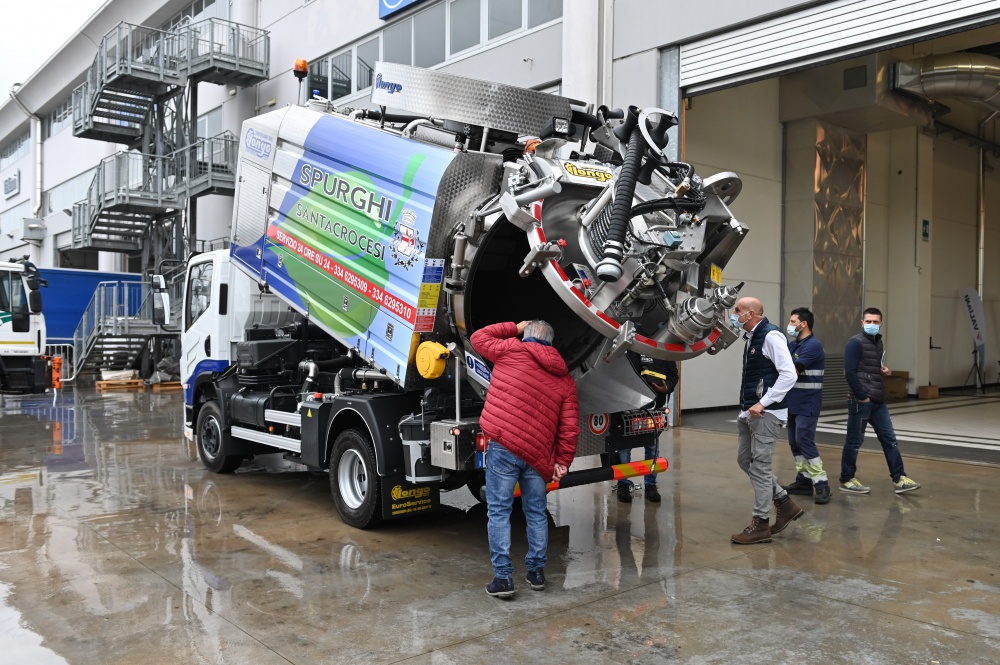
30,32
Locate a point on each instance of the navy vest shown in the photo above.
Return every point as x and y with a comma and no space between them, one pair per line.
870,366
759,373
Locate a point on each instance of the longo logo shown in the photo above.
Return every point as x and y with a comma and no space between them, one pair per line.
416,493
599,175
258,143
388,86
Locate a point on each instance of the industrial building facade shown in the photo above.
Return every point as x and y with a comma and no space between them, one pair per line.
863,131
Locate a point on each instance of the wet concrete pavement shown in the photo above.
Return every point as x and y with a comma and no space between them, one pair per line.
116,546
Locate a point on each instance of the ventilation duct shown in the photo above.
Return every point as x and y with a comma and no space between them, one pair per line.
970,77
854,94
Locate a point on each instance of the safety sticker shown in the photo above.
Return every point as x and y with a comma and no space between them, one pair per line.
598,423
478,370
430,292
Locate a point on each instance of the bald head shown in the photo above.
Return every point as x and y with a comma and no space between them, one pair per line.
750,311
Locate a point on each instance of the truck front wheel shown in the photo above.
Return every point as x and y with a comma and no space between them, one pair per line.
213,440
354,482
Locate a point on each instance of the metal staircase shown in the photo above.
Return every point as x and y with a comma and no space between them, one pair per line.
115,328
141,90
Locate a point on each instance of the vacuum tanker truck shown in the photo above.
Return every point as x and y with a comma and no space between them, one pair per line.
368,245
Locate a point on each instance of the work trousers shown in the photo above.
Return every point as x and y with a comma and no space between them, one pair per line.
757,436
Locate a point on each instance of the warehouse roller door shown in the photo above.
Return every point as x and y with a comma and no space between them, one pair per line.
823,33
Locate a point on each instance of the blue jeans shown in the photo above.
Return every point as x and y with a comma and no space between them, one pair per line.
626,456
859,415
504,469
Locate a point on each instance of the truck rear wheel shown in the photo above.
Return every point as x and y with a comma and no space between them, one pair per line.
354,482
213,440
477,485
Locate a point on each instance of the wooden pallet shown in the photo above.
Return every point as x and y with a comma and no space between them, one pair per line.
120,384
166,387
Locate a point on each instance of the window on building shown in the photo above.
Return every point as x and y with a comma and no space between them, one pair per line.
543,11
429,36
465,24
80,259
15,150
64,195
368,55
397,42
210,124
340,75
59,119
319,78
199,10
504,16
199,291
12,220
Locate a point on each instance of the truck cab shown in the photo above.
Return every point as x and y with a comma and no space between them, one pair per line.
23,367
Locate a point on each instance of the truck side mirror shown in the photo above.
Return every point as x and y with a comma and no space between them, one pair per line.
35,301
161,301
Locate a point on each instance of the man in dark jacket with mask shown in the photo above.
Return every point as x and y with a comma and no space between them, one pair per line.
532,419
805,400
865,368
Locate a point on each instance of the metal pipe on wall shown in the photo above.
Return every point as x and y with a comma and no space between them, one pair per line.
981,206
36,133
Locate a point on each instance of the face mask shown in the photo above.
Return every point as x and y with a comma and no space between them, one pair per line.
735,320
872,328
792,331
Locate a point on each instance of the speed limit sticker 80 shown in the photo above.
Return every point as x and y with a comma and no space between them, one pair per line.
599,423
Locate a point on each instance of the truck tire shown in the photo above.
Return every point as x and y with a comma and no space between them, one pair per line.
213,439
477,485
354,482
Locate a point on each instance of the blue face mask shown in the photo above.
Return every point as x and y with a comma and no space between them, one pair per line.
872,328
734,319
792,331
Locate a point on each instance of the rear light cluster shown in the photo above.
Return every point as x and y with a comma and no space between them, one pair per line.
643,423
480,441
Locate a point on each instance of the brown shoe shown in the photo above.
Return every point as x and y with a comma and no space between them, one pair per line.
757,532
786,511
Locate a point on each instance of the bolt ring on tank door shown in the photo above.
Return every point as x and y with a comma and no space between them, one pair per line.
603,323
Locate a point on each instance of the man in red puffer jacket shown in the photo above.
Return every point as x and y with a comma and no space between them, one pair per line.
532,420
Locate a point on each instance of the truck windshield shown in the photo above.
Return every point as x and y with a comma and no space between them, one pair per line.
12,297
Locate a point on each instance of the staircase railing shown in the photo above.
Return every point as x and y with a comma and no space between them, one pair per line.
128,50
208,163
117,309
236,45
123,178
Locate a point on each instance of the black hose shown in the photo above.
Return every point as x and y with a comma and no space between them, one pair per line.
610,267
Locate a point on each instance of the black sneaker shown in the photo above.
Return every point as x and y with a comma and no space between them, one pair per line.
823,494
536,579
624,493
500,588
652,494
802,486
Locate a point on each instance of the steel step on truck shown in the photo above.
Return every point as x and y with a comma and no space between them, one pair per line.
368,245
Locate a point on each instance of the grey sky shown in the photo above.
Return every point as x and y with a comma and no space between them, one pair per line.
30,32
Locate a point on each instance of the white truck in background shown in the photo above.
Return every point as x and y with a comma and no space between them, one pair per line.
23,365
